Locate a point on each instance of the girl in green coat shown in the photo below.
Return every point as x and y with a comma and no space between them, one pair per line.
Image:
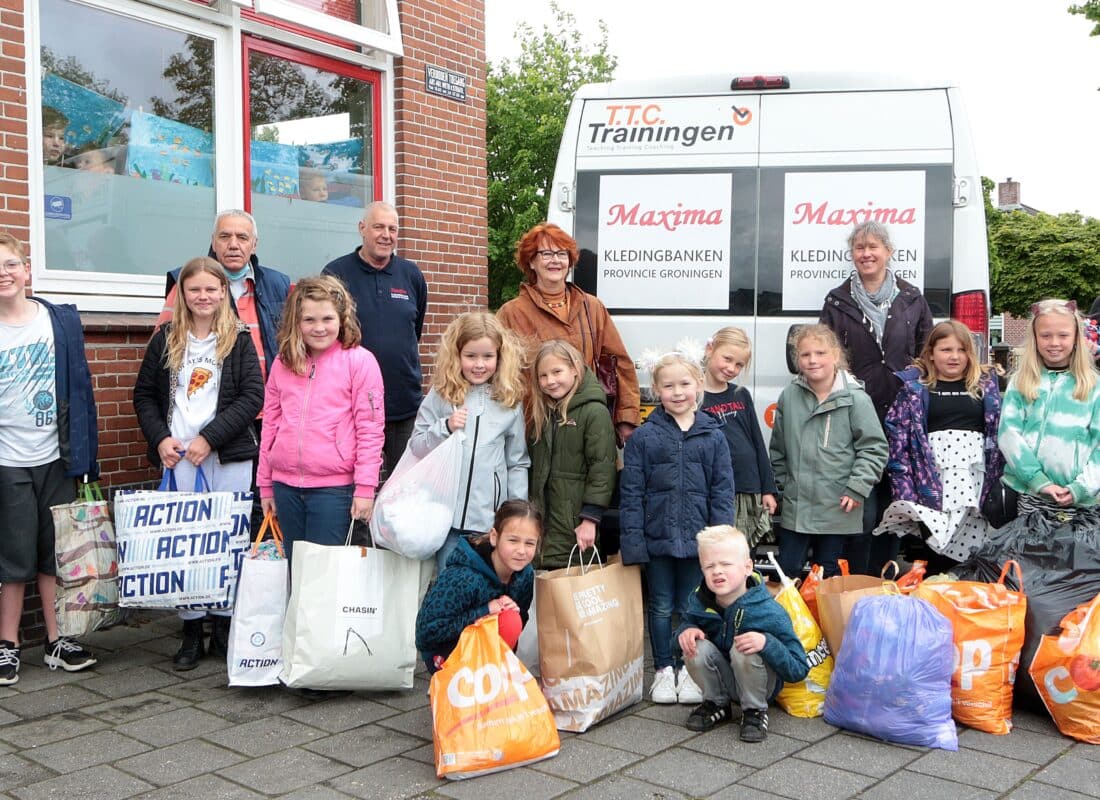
572,449
828,450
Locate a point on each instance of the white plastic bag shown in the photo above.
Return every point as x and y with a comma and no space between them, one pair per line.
413,512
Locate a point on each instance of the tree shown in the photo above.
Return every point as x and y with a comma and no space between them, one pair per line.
527,101
992,223
72,70
1090,10
1044,256
192,76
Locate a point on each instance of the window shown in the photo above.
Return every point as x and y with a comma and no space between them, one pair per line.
127,141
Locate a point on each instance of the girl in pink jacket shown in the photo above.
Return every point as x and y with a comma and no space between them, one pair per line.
321,446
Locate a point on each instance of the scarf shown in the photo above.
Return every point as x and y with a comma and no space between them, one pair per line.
875,306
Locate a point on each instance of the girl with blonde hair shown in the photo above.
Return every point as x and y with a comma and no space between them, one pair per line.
477,388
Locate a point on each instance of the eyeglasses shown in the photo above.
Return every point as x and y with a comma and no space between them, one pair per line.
554,255
11,267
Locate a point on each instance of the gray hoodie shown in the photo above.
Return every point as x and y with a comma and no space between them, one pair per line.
494,455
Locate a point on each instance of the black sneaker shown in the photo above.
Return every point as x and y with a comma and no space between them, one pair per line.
68,655
706,715
9,663
754,725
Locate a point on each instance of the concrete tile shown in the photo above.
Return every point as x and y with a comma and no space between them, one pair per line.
283,772
249,705
723,742
121,637
129,682
415,723
366,745
173,726
425,754
671,713
197,688
519,782
405,700
102,783
265,736
973,768
914,784
1036,721
164,646
179,762
341,713
638,734
46,702
207,787
808,730
1072,772
585,761
1034,790
206,668
33,676
618,787
37,732
111,662
740,791
1020,745
688,771
16,771
1089,751
795,778
71,755
315,793
138,706
388,780
858,754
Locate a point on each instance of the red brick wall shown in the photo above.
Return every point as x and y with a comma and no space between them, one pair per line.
440,159
14,203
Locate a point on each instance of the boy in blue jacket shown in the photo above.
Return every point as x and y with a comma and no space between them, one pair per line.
738,643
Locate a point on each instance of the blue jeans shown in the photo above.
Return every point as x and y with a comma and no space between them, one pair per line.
320,515
670,581
828,547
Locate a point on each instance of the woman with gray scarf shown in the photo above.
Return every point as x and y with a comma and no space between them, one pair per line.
882,321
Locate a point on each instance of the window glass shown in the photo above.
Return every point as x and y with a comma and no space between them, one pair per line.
371,13
127,141
311,160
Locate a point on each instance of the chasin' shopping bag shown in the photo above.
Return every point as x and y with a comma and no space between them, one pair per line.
256,633
180,549
87,564
590,641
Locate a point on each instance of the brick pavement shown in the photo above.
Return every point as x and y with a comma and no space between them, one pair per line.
132,727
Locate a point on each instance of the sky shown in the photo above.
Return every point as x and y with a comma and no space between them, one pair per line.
1028,70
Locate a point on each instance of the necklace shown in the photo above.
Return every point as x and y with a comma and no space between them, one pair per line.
556,303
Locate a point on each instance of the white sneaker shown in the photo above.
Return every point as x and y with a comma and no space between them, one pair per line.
664,686
688,692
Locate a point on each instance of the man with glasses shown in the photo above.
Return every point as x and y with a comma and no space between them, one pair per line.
391,298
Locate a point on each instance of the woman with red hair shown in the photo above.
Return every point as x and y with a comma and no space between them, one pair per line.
550,307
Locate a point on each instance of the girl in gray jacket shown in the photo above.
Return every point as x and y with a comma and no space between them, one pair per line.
827,450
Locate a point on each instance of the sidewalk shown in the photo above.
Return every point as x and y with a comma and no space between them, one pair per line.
131,727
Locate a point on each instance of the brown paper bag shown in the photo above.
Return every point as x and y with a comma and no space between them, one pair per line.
590,641
838,595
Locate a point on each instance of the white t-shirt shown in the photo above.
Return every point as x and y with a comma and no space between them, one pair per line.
28,401
196,400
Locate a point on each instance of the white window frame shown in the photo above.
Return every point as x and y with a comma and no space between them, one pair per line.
389,43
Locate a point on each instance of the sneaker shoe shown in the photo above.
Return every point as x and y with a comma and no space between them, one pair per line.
688,692
9,663
706,715
67,654
664,686
754,725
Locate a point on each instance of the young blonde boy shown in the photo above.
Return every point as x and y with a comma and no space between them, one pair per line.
738,643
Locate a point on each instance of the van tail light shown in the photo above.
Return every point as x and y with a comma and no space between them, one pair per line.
972,310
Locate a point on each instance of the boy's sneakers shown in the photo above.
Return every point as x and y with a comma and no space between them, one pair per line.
688,692
9,663
754,725
664,686
708,714
68,655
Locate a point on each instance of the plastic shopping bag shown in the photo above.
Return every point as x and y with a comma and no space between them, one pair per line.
1066,672
413,511
892,680
87,564
255,655
488,714
988,623
808,589
807,697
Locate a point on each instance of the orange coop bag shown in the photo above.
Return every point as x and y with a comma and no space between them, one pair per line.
488,713
808,590
806,698
1066,672
908,583
988,624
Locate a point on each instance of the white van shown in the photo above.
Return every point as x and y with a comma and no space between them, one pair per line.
709,201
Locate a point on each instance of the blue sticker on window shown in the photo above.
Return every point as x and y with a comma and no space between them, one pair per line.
58,206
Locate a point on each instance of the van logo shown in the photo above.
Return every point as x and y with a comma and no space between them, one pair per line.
807,213
668,218
741,116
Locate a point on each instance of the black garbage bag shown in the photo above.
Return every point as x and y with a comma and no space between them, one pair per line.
1059,556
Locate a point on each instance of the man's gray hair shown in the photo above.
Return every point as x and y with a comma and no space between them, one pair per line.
237,212
381,205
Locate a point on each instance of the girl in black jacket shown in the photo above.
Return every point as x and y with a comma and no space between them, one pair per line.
197,394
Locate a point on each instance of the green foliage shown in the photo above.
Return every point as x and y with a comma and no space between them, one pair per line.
992,222
1044,256
527,102
72,70
1090,10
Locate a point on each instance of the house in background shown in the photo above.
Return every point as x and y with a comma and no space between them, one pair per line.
1005,329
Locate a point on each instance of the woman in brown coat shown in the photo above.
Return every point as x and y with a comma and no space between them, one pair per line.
549,307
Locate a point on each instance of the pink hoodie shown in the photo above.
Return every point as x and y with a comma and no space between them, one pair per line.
326,427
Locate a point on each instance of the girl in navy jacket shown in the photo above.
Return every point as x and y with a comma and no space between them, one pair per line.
677,479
